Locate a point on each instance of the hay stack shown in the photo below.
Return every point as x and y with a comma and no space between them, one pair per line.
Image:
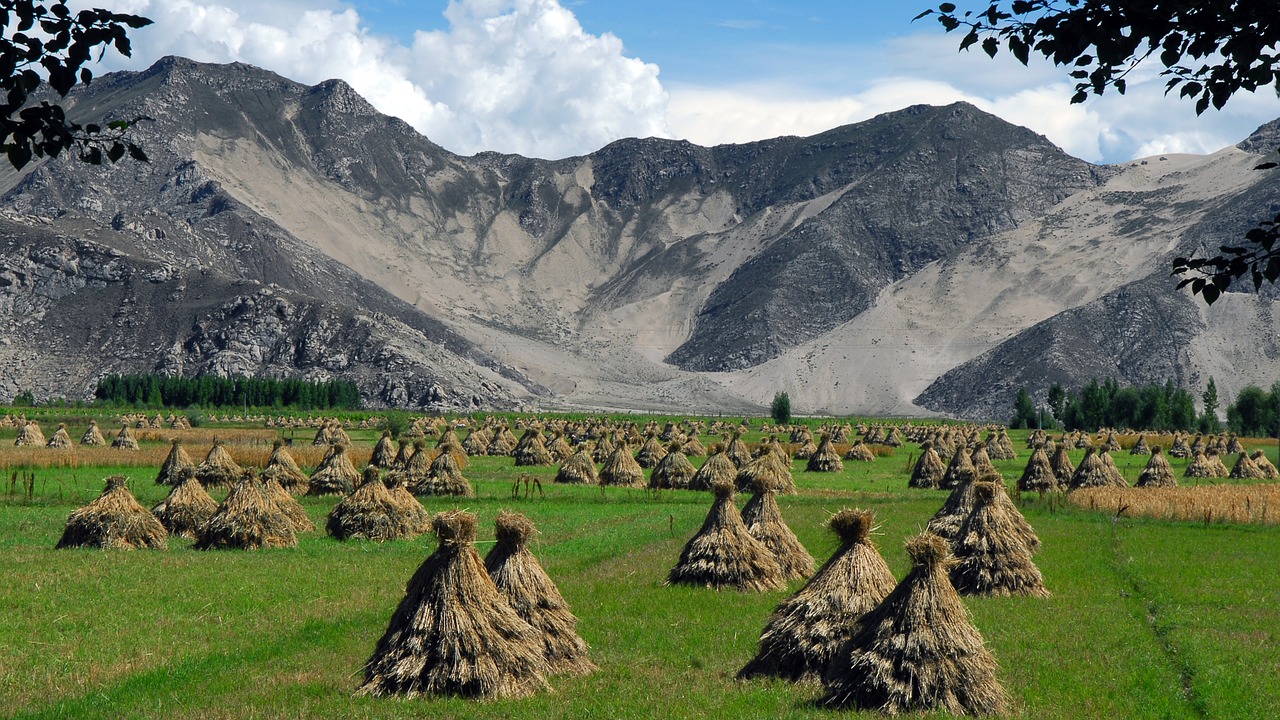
444,478
454,633
115,520
982,464
282,468
559,448
29,435
579,469
534,596
994,560
737,450
187,507
1002,448
1203,467
693,447
917,651
174,463
806,629
403,453
1140,447
959,471
770,470
124,440
724,554
61,439
1245,469
859,452
717,467
1264,465
604,449
651,453
477,442
247,520
372,512
1092,472
532,450
764,521
806,450
1112,444
414,514
92,436
335,475
947,521
929,470
825,458
503,444
1158,472
384,453
673,471
1038,475
1063,468
1117,479
291,508
622,470
1234,446
1214,458
218,468
1180,449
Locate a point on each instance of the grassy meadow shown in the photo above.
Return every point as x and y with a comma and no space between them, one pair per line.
1149,618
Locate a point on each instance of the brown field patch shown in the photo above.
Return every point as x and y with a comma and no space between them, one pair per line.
1244,504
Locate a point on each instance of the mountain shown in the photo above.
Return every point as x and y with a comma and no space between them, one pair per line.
930,259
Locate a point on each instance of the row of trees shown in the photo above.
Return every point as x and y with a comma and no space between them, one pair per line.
1256,412
158,391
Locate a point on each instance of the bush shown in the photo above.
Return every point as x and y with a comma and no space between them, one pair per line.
780,410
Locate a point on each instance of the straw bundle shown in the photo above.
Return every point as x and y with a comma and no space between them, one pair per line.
124,440
532,450
622,470
1200,467
477,442
982,464
859,452
717,467
503,444
579,469
1158,472
384,453
604,449
1063,468
174,463
403,453
724,554
1117,478
291,508
764,521
114,520
61,439
1264,465
454,633
29,435
693,447
1245,469
651,453
929,469
559,448
1038,475
1140,447
92,436
218,468
534,596
769,470
737,450
416,516
994,560
1180,449
444,477
1092,472
282,468
673,471
187,507
247,519
825,458
959,471
372,513
335,475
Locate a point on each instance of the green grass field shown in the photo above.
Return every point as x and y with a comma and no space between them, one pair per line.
1148,619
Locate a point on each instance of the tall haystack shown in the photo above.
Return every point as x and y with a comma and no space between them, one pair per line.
218,468
604,449
860,452
651,453
559,448
1140,447
717,467
174,463
124,440
409,506
825,458
947,521
291,508
477,442
622,470
454,633
29,435
1200,467
1264,465
994,560
579,469
115,520
445,478
1158,472
1092,472
673,471
282,468
247,520
724,554
1117,478
504,442
1113,443
1038,475
806,629
764,521
1002,447
61,439
403,453
534,596
1063,468
532,450
737,450
335,475
929,469
187,507
960,470
372,512
384,453
771,470
92,435
1245,469
982,464
917,651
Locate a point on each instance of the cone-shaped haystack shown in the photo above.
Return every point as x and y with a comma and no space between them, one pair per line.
929,470
454,633
504,442
1264,465
1001,448
247,520
534,596
764,521
444,477
1158,472
947,521
651,453
560,448
737,450
604,449
1117,478
1140,447
673,471
1179,448
335,475
284,470
218,468
414,514
724,554
1245,469
124,440
174,463
918,651
960,470
717,467
994,559
860,452
1038,475
93,436
982,464
115,520
1063,468
187,507
693,447
806,629
372,512
532,450
61,440
1092,472
579,469
291,508
771,469
403,453
384,453
621,469
825,458
29,435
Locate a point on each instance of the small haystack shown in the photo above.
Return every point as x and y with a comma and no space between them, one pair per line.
559,448
825,458
218,468
188,506
174,463
403,453
444,478
651,453
929,470
579,469
414,513
534,596
124,440
859,452
384,453
454,633
61,439
1140,447
1002,447
603,449
622,470
29,435
93,436
960,470
724,554
1063,468
1158,472
291,508
247,520
994,560
1214,458
1200,467
764,521
335,475
1179,448
673,471
771,469
717,467
1245,469
693,447
1092,472
477,442
532,450
1264,465
1117,478
806,629
1038,475
115,520
1233,446
503,444
947,521
982,464
737,450
282,468
372,512
918,651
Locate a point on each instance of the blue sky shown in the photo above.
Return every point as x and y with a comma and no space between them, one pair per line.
552,78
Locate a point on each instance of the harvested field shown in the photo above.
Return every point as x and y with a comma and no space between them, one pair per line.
1245,504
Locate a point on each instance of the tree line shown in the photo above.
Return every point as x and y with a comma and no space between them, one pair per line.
157,391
